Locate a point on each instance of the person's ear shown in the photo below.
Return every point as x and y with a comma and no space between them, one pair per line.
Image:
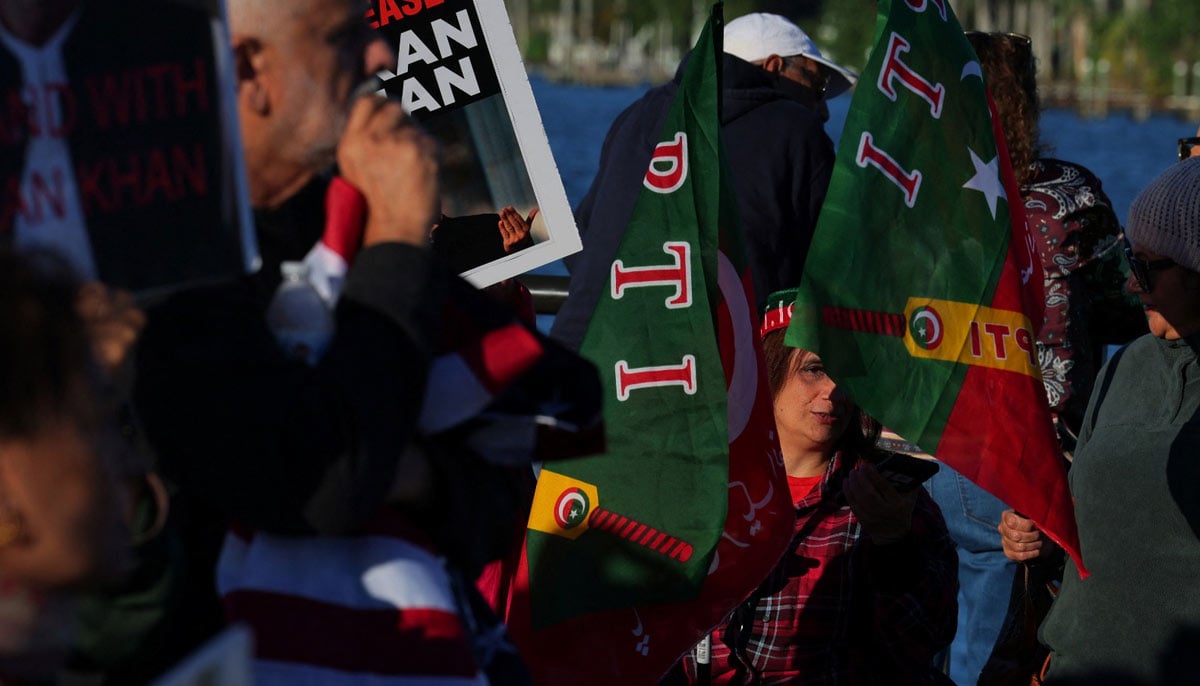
249,64
774,64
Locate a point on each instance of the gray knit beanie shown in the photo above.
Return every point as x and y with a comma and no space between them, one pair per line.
1165,216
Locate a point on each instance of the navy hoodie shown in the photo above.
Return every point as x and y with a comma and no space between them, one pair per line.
781,160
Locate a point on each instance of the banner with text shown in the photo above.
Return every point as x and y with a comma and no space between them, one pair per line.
119,145
459,73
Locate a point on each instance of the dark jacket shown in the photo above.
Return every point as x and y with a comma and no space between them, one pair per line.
781,161
261,437
241,432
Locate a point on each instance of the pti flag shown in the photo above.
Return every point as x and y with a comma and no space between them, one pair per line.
922,285
633,555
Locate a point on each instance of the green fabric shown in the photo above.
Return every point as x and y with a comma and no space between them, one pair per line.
1136,480
878,245
667,458
915,293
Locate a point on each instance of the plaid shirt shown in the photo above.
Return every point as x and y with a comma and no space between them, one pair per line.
841,610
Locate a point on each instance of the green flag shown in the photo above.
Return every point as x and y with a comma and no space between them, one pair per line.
921,283
633,555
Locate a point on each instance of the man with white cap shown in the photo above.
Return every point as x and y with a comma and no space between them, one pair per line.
774,84
782,48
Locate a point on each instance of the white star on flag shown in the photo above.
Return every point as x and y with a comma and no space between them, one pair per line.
986,180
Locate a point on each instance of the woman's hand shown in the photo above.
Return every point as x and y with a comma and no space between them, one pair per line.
885,513
1021,539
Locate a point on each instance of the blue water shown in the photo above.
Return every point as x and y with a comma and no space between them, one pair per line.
1124,153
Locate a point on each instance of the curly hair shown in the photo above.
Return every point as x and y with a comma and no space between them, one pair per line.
862,432
1011,74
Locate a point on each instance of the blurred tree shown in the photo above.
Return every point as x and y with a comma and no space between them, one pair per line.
844,31
1141,40
1166,33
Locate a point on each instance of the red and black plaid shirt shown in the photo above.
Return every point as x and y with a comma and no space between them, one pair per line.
841,610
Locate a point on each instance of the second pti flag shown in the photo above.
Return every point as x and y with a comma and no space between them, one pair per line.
922,287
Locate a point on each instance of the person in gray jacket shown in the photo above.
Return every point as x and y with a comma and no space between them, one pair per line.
1136,617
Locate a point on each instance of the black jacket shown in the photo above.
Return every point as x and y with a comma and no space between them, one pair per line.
781,161
286,448
247,435
269,441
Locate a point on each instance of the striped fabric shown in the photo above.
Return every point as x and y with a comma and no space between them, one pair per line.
378,609
382,608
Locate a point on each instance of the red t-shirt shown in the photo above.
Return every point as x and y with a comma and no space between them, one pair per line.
801,486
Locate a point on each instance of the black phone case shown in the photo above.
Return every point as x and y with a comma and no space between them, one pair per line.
905,472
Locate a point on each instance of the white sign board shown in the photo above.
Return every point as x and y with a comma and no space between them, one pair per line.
459,73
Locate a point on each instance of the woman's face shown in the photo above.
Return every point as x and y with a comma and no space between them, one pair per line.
1173,304
810,410
71,527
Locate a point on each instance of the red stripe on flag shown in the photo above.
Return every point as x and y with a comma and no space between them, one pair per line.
682,552
414,641
866,321
645,538
600,518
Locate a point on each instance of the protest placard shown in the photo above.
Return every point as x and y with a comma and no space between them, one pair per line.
459,74
119,142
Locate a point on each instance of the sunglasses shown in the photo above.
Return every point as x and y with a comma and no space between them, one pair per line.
1142,269
1186,145
812,74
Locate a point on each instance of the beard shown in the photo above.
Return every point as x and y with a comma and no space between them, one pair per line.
321,152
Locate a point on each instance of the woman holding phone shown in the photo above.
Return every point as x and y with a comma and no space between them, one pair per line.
867,593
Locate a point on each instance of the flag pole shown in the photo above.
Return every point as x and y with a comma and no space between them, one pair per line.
703,655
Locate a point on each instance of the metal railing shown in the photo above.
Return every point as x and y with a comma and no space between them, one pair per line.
549,291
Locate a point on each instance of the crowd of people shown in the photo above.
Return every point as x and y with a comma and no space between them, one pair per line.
167,467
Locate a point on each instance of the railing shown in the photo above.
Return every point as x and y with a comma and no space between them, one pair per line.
549,291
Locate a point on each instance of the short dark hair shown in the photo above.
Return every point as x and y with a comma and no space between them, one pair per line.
44,349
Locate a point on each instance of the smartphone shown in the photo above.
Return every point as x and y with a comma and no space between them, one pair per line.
905,472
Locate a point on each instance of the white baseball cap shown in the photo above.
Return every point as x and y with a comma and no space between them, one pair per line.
757,36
